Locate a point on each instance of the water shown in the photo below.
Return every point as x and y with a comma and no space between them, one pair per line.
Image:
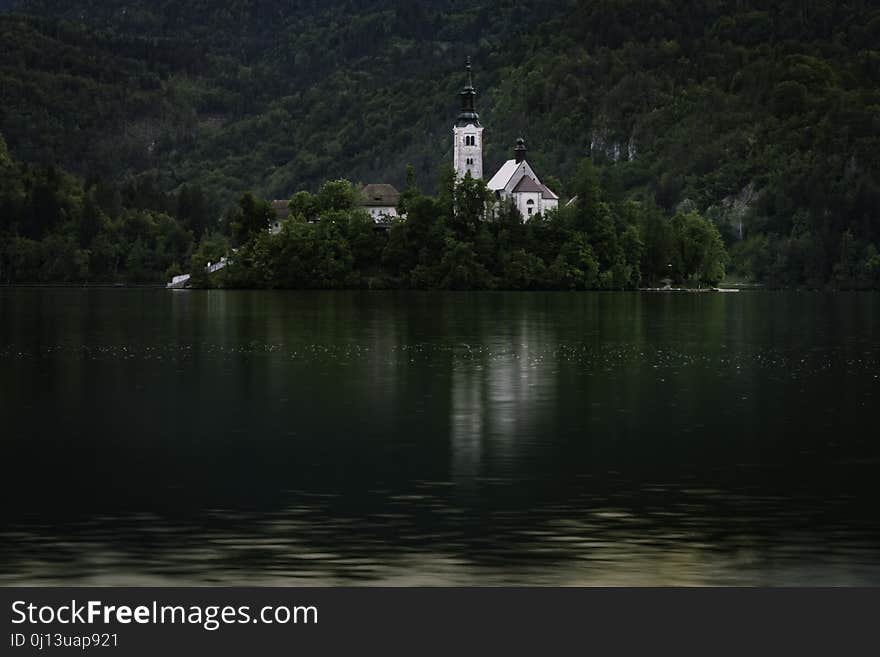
155,437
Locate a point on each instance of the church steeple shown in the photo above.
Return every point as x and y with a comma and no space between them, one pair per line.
467,145
519,153
468,95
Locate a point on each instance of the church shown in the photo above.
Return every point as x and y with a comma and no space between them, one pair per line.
515,180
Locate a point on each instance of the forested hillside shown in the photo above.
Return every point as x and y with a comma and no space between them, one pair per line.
762,116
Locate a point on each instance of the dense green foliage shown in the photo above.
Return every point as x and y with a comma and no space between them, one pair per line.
54,228
762,116
462,240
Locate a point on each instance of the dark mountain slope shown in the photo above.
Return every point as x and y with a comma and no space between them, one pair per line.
763,115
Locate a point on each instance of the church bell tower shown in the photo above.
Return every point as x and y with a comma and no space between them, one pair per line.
468,133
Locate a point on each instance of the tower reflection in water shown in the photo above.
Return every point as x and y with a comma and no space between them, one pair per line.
499,390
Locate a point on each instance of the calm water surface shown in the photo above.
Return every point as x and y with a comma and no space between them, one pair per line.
155,437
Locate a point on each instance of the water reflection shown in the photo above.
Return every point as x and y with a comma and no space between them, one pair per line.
681,536
499,391
438,438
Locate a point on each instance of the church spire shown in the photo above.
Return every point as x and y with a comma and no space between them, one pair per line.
468,113
519,153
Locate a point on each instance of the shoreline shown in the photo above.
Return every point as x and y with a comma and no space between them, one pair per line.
121,286
688,289
734,288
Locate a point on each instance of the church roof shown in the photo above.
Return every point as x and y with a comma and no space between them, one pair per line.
282,209
547,193
528,185
379,195
505,173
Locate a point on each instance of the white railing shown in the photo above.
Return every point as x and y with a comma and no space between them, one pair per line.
217,266
183,279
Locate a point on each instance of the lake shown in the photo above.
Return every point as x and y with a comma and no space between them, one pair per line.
224,437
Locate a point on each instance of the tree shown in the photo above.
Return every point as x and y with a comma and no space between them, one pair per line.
789,97
522,271
410,191
138,265
470,207
586,190
336,196
92,219
5,159
459,269
212,247
698,254
252,216
303,207
397,257
366,243
193,210
633,250
576,267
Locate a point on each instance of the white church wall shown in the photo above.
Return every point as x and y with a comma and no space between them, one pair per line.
548,204
528,203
